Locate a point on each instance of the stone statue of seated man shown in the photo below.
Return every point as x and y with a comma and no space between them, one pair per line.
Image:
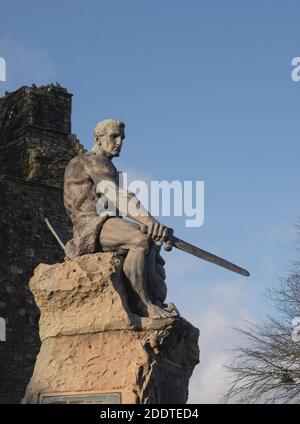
91,184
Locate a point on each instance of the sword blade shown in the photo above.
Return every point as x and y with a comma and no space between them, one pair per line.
207,256
54,233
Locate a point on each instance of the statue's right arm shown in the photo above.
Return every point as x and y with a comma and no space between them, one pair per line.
125,201
129,205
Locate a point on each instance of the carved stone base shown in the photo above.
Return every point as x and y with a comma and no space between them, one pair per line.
94,350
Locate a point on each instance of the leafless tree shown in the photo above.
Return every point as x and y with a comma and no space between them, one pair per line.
267,368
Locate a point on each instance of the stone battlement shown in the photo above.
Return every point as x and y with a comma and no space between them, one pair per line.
35,134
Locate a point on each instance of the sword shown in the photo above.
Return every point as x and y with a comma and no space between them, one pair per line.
54,233
202,254
44,219
169,243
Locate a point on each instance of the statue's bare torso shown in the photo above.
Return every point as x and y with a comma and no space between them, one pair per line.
82,176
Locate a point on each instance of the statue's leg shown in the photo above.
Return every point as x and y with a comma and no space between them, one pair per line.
121,235
156,276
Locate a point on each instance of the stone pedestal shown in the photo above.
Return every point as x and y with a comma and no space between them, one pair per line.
95,350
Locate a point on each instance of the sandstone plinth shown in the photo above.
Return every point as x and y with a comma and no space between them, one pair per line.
93,345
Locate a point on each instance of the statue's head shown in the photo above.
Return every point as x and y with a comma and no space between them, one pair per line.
108,137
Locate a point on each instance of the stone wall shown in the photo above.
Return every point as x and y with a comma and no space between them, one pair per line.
35,147
35,134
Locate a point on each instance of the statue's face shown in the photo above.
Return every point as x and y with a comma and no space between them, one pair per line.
110,143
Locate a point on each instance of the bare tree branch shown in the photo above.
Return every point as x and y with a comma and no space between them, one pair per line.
267,368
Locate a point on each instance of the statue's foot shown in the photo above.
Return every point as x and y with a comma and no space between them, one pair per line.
166,311
151,310
155,311
171,309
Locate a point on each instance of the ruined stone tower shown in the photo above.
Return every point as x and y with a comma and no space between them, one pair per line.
35,146
35,134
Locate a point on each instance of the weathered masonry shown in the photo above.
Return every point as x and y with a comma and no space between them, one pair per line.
35,146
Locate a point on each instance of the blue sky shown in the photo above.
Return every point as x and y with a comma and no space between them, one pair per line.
205,90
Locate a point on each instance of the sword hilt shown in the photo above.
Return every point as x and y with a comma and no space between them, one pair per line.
168,244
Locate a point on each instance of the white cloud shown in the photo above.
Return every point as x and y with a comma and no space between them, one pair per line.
216,320
280,234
